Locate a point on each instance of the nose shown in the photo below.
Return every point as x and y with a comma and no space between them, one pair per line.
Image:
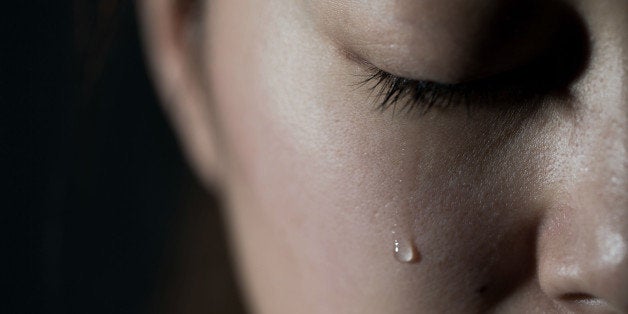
583,262
583,239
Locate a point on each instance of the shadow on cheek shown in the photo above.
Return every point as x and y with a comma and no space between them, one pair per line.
512,263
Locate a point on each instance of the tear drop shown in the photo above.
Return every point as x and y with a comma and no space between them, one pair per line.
406,251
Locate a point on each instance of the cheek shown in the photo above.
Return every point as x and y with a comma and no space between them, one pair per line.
325,184
303,169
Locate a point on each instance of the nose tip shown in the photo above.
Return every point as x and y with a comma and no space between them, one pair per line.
589,274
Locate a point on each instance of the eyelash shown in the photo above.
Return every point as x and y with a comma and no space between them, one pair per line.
407,95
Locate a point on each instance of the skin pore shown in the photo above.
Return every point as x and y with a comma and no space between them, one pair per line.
514,206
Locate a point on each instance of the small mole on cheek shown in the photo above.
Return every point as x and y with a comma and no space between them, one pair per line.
482,289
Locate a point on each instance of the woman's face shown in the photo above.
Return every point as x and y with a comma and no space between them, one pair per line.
341,201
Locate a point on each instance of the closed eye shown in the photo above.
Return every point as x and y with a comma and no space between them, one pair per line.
408,95
550,74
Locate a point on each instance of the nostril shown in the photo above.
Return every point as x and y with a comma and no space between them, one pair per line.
584,299
585,303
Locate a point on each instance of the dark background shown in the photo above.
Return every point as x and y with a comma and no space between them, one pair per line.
100,214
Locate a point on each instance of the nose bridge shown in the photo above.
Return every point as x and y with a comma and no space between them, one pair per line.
600,164
599,142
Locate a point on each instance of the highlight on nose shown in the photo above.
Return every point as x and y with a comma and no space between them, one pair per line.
586,271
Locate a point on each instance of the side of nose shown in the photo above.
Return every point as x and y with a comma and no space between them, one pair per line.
583,240
582,249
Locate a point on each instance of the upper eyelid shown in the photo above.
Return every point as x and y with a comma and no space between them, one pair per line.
374,70
425,95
